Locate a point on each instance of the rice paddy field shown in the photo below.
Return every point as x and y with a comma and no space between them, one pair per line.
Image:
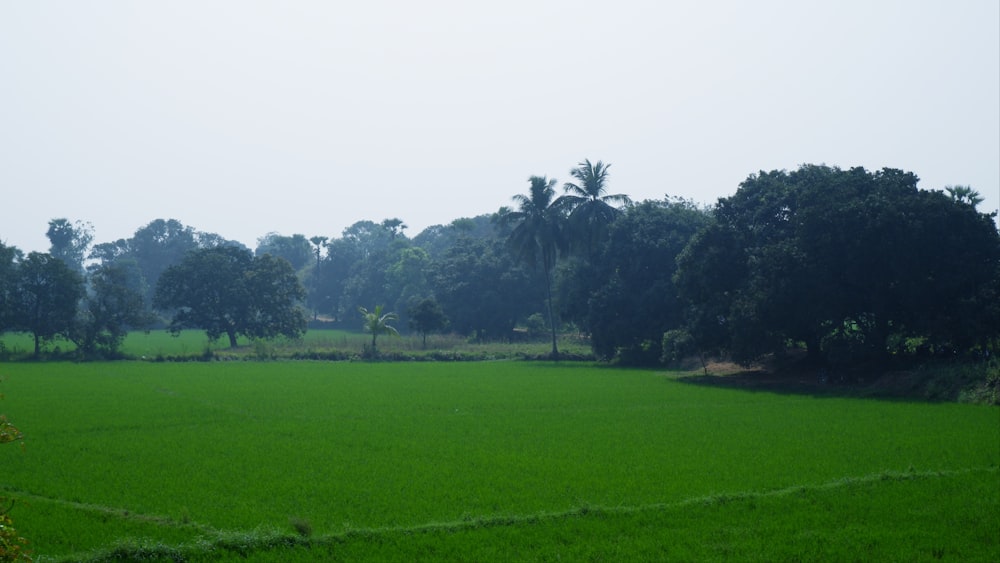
483,461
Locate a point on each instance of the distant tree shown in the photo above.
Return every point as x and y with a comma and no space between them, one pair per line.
437,239
368,237
591,207
157,246
113,305
406,277
426,316
538,235
47,294
964,194
635,301
330,278
70,241
225,290
851,263
377,323
9,258
319,243
375,251
395,226
315,278
483,290
296,249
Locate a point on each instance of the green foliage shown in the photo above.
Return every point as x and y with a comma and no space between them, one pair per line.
845,261
482,290
426,316
112,307
376,323
677,346
45,298
69,241
296,249
634,300
591,209
12,545
226,291
538,235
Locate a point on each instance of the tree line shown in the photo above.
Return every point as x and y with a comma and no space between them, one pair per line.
851,266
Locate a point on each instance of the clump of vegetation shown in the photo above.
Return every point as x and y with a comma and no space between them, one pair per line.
12,545
302,526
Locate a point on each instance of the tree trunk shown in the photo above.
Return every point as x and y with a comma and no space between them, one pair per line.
232,338
552,323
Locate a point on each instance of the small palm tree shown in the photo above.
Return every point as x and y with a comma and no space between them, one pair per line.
964,194
377,323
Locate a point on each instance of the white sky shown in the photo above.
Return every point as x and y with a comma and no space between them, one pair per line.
243,117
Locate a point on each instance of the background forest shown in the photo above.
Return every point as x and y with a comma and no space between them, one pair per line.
854,267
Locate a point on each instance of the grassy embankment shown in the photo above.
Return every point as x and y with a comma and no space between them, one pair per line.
485,461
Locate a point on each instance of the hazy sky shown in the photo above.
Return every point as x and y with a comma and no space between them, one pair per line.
242,117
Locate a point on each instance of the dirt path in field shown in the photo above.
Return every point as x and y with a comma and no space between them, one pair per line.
806,381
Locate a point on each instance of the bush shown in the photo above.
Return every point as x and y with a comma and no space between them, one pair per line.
677,346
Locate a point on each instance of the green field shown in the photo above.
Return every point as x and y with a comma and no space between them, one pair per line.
499,460
322,344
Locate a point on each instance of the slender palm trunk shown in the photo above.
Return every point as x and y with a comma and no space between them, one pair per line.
548,299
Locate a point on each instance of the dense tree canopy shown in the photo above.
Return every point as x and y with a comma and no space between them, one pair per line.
113,306
296,249
70,241
635,300
225,290
854,264
46,296
9,258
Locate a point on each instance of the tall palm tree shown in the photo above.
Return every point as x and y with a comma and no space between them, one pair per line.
377,323
538,237
591,208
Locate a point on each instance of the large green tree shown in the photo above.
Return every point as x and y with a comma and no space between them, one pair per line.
70,241
46,297
483,289
853,263
538,235
635,301
113,306
225,290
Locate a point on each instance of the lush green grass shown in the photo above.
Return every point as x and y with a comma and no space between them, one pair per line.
533,460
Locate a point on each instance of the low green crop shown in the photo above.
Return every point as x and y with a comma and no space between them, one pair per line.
183,454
